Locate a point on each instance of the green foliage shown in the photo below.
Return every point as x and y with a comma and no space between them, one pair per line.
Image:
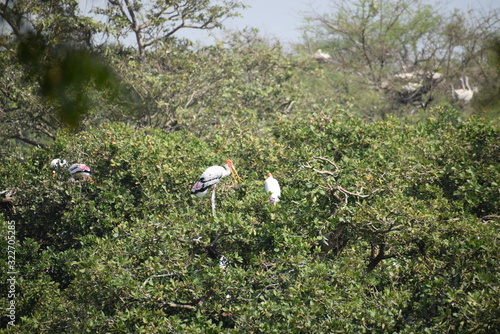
238,86
382,227
50,77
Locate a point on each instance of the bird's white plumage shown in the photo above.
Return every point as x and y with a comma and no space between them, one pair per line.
223,262
58,163
272,186
465,93
210,177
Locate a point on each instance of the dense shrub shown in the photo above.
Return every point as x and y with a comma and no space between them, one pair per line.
384,227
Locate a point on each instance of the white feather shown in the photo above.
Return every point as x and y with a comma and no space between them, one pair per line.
272,186
210,177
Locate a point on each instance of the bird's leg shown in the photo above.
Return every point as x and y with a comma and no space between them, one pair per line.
213,200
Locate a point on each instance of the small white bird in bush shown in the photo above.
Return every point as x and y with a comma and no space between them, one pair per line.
272,186
58,163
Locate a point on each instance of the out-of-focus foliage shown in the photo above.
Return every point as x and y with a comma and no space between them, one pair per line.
50,75
56,74
388,226
395,55
245,82
488,102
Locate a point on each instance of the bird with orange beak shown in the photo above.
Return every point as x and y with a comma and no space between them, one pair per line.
210,177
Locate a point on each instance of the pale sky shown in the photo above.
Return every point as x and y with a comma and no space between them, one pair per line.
283,18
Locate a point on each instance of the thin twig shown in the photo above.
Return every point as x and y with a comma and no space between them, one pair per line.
327,160
156,276
347,192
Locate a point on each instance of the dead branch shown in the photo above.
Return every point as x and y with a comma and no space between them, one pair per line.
27,140
392,227
177,305
325,172
156,276
346,192
198,301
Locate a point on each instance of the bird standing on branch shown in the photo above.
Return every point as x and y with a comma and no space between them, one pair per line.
272,186
80,172
210,177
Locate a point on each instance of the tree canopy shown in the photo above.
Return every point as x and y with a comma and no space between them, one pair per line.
154,22
389,214
410,51
388,226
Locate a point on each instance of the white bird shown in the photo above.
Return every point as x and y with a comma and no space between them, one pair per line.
80,172
322,57
58,163
465,93
223,262
210,177
272,186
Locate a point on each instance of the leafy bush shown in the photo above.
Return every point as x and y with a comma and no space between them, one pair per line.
383,227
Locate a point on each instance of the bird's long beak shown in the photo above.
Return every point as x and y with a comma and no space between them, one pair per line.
234,174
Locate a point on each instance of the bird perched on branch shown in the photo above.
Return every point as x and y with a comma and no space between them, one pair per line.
210,177
322,57
272,186
80,172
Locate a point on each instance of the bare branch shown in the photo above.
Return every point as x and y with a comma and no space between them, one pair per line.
327,160
346,192
156,276
177,305
27,140
376,259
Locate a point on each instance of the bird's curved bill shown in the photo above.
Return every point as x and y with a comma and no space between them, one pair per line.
234,174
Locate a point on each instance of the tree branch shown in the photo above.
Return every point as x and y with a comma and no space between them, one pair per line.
27,140
177,305
378,258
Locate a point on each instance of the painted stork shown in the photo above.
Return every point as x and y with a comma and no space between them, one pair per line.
272,186
465,93
80,172
210,177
